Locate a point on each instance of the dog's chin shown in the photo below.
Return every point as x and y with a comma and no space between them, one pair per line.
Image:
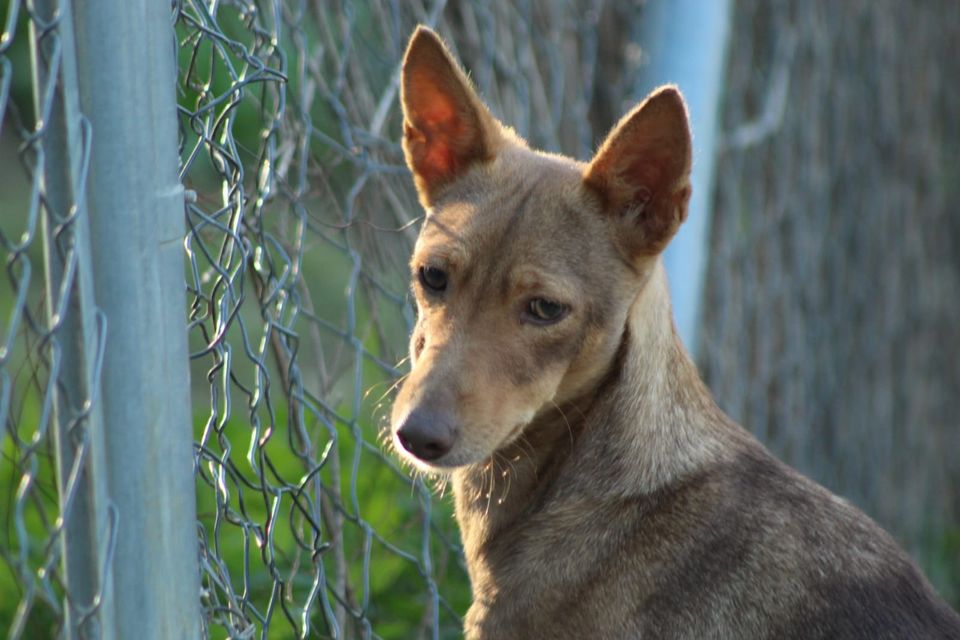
439,467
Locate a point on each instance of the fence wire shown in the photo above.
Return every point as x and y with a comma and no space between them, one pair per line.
301,216
301,220
51,343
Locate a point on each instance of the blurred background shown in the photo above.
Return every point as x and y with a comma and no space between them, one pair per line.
818,286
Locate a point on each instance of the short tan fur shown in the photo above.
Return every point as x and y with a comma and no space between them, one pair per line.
600,491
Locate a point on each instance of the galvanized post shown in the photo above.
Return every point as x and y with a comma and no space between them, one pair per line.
126,70
74,342
686,43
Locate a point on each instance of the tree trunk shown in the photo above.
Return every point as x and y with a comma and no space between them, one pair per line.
832,310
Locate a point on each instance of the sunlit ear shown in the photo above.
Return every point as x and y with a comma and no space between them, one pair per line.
446,127
642,171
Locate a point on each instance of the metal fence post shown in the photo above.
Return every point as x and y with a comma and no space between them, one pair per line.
85,529
126,70
686,42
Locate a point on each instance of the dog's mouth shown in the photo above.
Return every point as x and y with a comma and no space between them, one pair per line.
438,458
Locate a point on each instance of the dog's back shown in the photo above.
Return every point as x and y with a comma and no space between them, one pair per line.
599,490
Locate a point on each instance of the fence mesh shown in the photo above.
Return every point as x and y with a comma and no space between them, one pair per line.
301,220
51,340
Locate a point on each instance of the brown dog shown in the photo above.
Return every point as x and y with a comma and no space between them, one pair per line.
600,491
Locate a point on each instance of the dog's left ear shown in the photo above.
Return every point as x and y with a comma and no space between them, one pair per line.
642,172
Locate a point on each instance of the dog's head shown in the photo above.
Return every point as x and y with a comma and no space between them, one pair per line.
527,263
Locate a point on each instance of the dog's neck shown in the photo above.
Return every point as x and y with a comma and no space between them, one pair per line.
646,423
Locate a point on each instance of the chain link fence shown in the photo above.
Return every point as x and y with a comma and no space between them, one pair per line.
301,221
52,340
300,218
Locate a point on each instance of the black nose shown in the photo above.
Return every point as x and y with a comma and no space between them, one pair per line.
426,434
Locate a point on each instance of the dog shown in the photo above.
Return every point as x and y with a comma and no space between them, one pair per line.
599,490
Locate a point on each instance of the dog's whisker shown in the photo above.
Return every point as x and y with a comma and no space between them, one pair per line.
369,390
491,469
396,383
565,421
506,476
526,447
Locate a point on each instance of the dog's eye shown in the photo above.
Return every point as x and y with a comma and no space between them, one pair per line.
545,311
433,279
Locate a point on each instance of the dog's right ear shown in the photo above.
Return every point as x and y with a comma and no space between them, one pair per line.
642,172
446,127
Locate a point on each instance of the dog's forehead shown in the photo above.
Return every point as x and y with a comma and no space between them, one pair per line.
514,208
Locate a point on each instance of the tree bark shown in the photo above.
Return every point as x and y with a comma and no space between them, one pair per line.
832,310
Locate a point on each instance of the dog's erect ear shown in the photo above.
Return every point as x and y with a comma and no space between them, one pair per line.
642,171
446,127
